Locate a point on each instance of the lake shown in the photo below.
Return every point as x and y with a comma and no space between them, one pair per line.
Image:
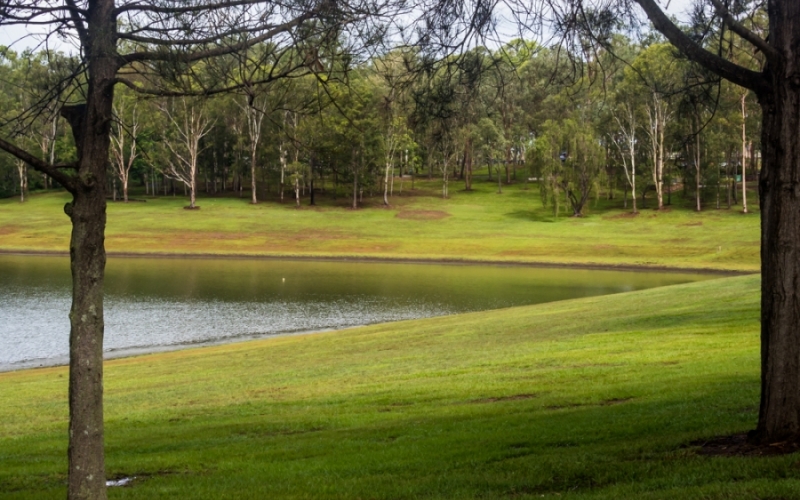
158,304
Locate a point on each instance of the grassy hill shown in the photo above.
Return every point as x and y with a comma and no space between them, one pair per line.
590,398
471,226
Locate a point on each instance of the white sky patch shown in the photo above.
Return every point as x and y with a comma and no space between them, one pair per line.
20,38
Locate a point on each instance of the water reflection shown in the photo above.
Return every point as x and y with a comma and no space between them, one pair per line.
165,302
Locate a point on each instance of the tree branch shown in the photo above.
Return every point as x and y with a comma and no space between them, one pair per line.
199,7
186,41
53,171
737,74
742,31
219,51
74,12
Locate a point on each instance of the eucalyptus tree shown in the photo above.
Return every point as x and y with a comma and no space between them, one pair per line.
392,74
124,139
625,140
190,123
659,79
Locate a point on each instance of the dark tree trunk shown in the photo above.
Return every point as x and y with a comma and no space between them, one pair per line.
90,126
779,413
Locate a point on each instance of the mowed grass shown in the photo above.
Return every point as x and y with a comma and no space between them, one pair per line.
590,398
480,225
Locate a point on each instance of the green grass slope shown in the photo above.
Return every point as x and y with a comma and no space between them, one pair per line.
472,226
589,398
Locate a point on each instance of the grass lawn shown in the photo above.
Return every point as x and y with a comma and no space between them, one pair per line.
473,226
588,398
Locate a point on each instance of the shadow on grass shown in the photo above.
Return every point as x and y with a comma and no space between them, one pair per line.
533,215
620,442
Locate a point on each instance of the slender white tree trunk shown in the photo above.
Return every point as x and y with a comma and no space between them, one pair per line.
22,170
283,168
744,154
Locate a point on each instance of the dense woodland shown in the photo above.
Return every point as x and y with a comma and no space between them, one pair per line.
633,121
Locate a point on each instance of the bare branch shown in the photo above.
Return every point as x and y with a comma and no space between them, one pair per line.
737,74
745,33
217,51
75,13
54,171
198,7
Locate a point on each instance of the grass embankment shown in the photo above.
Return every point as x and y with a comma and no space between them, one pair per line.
471,226
589,398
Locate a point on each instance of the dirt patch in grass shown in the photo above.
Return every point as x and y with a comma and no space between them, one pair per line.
8,229
607,402
697,223
623,215
422,214
614,401
738,446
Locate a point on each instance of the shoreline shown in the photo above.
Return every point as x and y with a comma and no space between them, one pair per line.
400,260
130,352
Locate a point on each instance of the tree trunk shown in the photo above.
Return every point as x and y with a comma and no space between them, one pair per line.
91,128
87,256
508,164
466,166
312,201
355,190
386,185
728,179
660,169
254,197
193,190
625,195
633,188
744,154
22,170
696,160
779,413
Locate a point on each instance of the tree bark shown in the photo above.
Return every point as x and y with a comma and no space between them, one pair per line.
779,412
90,125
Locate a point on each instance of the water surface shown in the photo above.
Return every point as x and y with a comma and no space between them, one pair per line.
153,303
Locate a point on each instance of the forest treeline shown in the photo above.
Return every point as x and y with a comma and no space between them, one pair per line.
627,119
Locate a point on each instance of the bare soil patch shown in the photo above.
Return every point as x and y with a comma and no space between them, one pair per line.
623,215
422,214
9,229
738,446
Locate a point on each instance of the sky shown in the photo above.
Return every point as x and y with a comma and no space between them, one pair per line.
21,37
